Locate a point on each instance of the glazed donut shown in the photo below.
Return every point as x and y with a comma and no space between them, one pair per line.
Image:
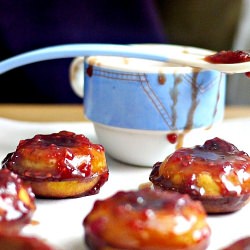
18,242
17,203
59,165
216,173
147,219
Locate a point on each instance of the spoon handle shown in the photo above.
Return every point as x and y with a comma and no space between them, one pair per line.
184,56
75,50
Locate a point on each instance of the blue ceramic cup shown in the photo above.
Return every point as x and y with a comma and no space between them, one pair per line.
136,95
152,98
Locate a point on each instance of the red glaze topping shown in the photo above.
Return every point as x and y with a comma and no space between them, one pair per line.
144,199
165,218
17,202
237,56
220,161
230,56
56,156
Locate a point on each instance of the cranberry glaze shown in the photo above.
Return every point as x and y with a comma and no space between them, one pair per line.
17,203
147,219
237,56
230,56
216,172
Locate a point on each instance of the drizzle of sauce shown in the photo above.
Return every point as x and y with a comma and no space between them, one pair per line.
194,104
95,189
217,98
192,80
174,96
89,70
161,78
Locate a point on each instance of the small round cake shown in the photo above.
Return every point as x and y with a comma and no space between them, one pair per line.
216,173
17,203
59,165
147,219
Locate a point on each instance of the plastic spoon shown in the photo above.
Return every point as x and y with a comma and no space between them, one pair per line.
186,56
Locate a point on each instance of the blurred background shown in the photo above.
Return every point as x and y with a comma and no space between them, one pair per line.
27,25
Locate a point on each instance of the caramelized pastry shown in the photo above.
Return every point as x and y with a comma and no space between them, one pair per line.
216,173
18,242
17,203
147,219
59,165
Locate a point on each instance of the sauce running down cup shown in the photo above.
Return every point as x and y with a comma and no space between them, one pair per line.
143,110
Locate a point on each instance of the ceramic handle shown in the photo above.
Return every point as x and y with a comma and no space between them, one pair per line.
76,75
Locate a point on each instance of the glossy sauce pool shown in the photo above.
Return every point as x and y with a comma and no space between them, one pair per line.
226,57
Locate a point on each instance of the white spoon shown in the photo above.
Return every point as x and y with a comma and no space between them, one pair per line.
187,56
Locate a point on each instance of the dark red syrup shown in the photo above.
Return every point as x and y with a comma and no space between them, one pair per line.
172,138
226,57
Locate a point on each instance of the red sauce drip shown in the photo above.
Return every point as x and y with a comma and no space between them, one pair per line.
230,56
95,190
89,70
172,138
161,78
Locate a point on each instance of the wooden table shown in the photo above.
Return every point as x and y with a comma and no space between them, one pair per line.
74,112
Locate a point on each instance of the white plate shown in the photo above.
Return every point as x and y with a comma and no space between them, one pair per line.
59,222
